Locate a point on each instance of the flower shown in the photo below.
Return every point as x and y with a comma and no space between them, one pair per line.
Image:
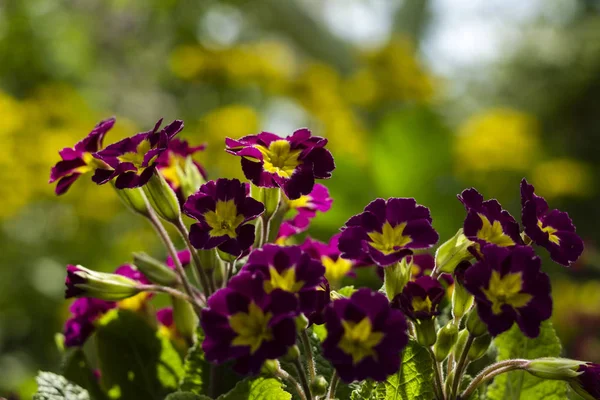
184,256
133,160
323,298
223,209
387,231
364,336
244,323
509,287
487,222
420,299
587,384
552,229
328,254
81,324
306,208
79,159
291,163
289,269
422,265
173,165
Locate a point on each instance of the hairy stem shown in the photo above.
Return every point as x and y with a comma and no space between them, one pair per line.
207,284
280,373
333,386
461,366
308,353
437,377
491,371
303,379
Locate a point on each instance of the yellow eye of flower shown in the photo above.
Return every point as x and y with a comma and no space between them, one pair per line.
174,170
506,290
252,328
137,157
284,281
422,304
302,201
551,232
493,233
391,239
224,220
336,270
359,339
279,158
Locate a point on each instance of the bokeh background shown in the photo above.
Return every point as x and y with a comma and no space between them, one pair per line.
417,98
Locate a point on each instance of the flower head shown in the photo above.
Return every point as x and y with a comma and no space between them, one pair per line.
365,336
422,265
291,270
133,160
84,312
329,255
420,299
487,222
223,209
79,159
387,231
587,384
244,323
174,162
509,287
552,229
306,208
291,163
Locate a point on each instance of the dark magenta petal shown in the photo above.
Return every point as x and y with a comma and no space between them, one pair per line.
425,292
589,380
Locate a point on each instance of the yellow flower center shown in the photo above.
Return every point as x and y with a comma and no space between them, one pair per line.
551,232
137,157
390,239
359,339
224,220
493,233
421,304
174,170
300,202
284,281
279,158
252,328
506,290
336,270
134,303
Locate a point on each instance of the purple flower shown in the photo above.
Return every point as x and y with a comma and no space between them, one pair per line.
420,299
81,324
133,160
306,208
509,287
223,209
329,255
184,256
587,385
552,229
291,270
387,231
79,159
422,265
172,163
244,323
291,163
365,336
487,222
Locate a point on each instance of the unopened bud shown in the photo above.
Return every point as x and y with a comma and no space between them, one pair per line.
425,329
133,199
301,322
185,318
554,368
292,354
461,301
83,282
446,338
479,347
162,198
396,276
319,385
270,197
475,325
461,342
270,367
453,252
190,178
154,270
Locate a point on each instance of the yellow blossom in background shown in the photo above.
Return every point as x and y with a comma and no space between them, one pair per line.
576,302
498,139
563,177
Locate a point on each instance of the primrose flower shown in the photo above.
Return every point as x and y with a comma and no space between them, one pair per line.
420,299
306,208
291,163
133,160
587,384
387,231
223,209
79,160
509,287
487,222
244,323
329,255
422,265
81,324
291,270
364,336
184,256
177,166
552,229
323,298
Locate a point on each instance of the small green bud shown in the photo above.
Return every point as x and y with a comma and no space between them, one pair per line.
396,276
133,199
162,198
301,322
319,385
83,282
453,252
475,325
292,354
270,367
553,368
446,338
461,301
461,342
270,197
479,347
154,270
425,329
190,178
185,318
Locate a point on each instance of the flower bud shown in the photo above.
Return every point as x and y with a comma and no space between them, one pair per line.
446,338
475,325
479,347
461,301
190,178
425,329
554,368
209,259
82,282
453,252
154,270
318,386
185,318
396,276
301,322
461,342
292,354
133,199
163,199
269,197
270,367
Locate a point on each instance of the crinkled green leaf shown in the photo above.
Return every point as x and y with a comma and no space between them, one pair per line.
75,368
136,363
259,388
56,387
186,396
365,391
347,291
519,384
414,380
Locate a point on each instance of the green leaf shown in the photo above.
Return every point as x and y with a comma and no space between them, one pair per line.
414,380
75,368
56,387
260,388
519,384
186,396
347,291
366,391
136,363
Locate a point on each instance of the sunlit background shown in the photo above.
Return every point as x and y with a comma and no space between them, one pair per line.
417,98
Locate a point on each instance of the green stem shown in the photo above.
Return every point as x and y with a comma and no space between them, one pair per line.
207,284
491,371
230,268
437,377
333,386
461,366
264,236
280,373
165,289
308,353
303,379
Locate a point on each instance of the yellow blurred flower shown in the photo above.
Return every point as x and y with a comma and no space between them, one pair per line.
12,117
562,177
186,62
496,140
573,303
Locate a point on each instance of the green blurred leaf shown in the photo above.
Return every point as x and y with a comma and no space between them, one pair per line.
260,388
365,391
134,359
520,384
186,396
75,368
414,379
56,387
347,291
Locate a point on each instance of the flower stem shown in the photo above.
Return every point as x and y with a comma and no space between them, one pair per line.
303,379
461,366
280,373
308,353
207,284
265,228
437,377
491,371
335,378
169,290
230,268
